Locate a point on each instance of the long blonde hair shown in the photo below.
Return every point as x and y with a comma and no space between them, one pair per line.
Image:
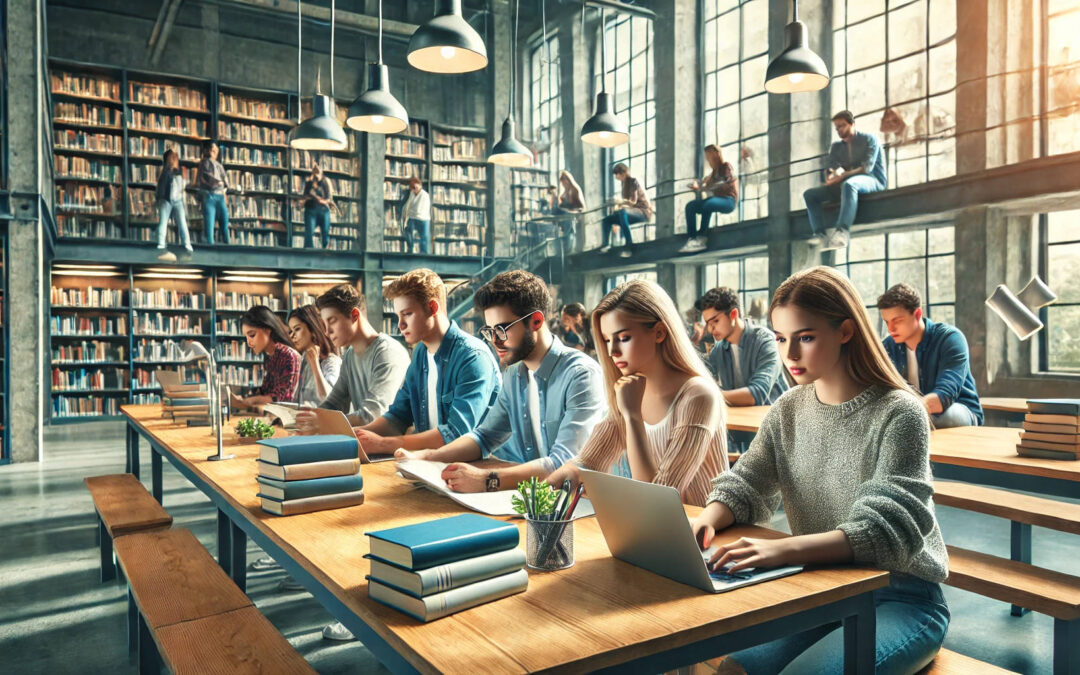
569,178
646,302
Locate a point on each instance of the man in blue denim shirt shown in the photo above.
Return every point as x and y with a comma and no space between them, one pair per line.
552,395
451,383
856,166
932,357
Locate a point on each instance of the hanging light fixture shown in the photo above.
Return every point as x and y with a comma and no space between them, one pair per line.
509,151
604,128
447,43
798,68
376,110
321,131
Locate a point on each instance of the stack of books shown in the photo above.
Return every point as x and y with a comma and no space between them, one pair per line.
301,474
434,569
1051,429
183,402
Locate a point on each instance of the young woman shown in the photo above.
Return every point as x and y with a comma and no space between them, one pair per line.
571,199
848,451
720,188
633,208
318,198
575,333
665,412
267,335
170,202
320,363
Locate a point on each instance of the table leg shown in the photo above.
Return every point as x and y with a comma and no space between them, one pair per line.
105,548
133,623
1066,646
238,540
224,539
859,637
149,661
1021,550
133,443
127,448
155,474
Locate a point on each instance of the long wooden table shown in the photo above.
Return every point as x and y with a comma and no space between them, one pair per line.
601,614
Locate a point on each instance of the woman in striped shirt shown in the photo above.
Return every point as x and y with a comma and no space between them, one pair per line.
665,413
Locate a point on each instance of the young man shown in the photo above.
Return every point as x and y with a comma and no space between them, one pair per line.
932,357
551,398
416,217
856,166
744,359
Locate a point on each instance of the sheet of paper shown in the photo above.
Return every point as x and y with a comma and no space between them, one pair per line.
286,415
491,503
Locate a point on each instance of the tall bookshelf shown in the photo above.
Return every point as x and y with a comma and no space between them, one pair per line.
406,156
459,176
3,349
528,186
305,287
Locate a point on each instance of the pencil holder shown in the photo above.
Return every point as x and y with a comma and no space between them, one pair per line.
549,544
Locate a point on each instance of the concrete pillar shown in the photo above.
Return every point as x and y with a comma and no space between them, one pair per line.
680,282
971,85
498,71
1012,98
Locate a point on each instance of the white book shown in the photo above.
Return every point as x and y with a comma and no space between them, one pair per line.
441,578
448,602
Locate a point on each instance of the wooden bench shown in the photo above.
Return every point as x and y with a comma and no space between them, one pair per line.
952,663
199,620
123,507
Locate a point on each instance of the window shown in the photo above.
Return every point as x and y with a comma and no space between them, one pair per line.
894,68
547,107
1061,337
611,282
749,277
923,258
736,116
1063,73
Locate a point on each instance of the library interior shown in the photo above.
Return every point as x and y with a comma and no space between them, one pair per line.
696,336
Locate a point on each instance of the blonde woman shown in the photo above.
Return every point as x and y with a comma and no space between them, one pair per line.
571,200
664,410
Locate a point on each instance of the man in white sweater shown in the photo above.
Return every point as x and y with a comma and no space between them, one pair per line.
416,218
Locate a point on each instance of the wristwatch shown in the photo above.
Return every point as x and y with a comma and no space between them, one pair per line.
492,482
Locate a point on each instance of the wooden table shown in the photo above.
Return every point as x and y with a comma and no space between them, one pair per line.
745,418
600,614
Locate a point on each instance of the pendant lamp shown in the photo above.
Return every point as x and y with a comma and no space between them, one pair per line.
321,131
798,68
604,128
509,151
447,43
376,110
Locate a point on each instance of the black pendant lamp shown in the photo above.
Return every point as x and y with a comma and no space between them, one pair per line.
321,131
509,151
447,43
604,128
376,110
798,68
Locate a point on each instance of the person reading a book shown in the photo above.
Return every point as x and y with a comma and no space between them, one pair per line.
319,362
169,197
716,192
665,413
212,183
848,451
932,357
267,335
318,199
550,398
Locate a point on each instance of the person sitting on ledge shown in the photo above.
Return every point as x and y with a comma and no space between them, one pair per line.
720,188
634,207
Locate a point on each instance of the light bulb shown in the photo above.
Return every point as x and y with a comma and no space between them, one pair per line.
604,134
795,78
377,119
447,52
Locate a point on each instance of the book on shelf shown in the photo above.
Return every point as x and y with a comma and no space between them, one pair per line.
73,139
163,298
89,297
166,95
242,106
441,541
84,85
302,449
78,326
293,507
255,157
159,122
87,168
86,113
288,490
420,583
308,470
250,133
438,605
85,406
406,147
93,350
240,302
152,148
86,227
303,160
100,199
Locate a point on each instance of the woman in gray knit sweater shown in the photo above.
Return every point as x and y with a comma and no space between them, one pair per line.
848,451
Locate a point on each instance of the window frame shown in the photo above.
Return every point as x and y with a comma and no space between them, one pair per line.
1043,266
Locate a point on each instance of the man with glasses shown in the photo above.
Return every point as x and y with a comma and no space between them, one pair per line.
552,395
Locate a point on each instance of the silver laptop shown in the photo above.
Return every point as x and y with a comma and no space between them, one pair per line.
335,422
645,525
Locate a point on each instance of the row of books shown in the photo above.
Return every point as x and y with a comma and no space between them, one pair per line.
1051,429
251,133
241,302
72,166
466,216
263,182
85,406
142,203
453,196
73,139
87,297
398,168
168,95
143,378
457,172
149,173
98,326
336,244
301,474
252,207
158,122
84,85
448,139
164,298
244,156
302,160
342,188
416,129
84,379
87,198
466,150
241,376
86,113
86,351
153,147
75,225
234,350
248,107
456,248
158,350
406,147
249,238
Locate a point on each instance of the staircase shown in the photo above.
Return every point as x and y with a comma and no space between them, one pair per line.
545,259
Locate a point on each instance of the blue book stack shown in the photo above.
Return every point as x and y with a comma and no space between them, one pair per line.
301,474
434,569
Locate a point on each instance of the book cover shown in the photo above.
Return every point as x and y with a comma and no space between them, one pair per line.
1044,453
421,583
442,541
180,402
1045,418
313,487
1054,406
1052,428
302,449
292,507
1061,439
448,602
291,472
1064,447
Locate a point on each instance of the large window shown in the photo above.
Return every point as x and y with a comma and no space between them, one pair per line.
736,42
611,282
1061,339
749,277
1063,73
547,107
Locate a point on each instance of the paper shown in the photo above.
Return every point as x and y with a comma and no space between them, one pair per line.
490,503
286,415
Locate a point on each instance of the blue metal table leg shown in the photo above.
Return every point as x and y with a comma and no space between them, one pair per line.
1066,647
133,623
155,474
859,637
1021,550
134,451
127,448
224,539
149,661
238,541
108,567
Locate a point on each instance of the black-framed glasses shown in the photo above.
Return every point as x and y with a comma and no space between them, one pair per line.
498,331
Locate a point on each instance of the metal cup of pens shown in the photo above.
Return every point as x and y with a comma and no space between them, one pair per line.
549,526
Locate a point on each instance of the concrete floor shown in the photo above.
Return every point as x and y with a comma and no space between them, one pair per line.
56,617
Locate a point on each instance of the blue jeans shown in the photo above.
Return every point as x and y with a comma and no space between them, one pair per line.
956,415
912,619
622,218
706,207
214,209
318,216
847,192
418,235
175,208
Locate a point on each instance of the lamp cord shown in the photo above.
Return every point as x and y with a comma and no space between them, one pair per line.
603,52
333,16
299,62
380,32
513,39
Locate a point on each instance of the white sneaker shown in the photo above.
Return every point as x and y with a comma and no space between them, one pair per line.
338,632
265,563
837,241
693,244
167,256
604,249
625,252
814,240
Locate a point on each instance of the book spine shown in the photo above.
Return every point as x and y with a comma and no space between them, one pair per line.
322,503
452,550
316,487
455,600
463,572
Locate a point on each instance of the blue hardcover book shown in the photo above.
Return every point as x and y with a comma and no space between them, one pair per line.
301,489
303,449
442,541
1054,406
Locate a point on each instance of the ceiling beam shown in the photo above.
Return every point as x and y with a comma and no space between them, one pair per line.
360,22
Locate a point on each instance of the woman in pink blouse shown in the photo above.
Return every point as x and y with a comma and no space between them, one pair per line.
267,335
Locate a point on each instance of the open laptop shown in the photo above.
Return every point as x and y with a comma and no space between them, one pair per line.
335,422
645,525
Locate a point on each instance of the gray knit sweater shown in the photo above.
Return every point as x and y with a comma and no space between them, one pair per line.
862,467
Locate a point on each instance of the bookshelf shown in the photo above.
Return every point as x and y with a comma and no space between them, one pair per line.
459,175
528,186
236,290
406,156
3,349
305,287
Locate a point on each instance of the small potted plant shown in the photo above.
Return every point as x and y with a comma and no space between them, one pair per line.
251,429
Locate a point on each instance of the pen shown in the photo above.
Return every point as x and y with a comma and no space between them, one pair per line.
574,501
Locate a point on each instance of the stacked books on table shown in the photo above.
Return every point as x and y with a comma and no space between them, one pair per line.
183,402
301,474
434,569
1051,429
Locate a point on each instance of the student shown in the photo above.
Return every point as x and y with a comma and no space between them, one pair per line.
633,208
848,451
574,320
320,363
721,192
570,202
856,166
267,335
550,398
744,358
664,411
318,199
932,357
169,197
417,218
212,183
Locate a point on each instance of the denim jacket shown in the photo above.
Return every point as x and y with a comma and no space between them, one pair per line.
759,363
170,186
864,151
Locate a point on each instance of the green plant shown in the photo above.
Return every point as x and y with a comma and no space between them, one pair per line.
534,498
250,427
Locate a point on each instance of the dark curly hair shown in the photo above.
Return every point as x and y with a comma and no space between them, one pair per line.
523,292
722,299
900,295
344,298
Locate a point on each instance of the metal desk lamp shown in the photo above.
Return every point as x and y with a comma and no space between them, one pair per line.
195,351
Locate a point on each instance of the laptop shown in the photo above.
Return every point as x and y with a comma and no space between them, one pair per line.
645,525
335,422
